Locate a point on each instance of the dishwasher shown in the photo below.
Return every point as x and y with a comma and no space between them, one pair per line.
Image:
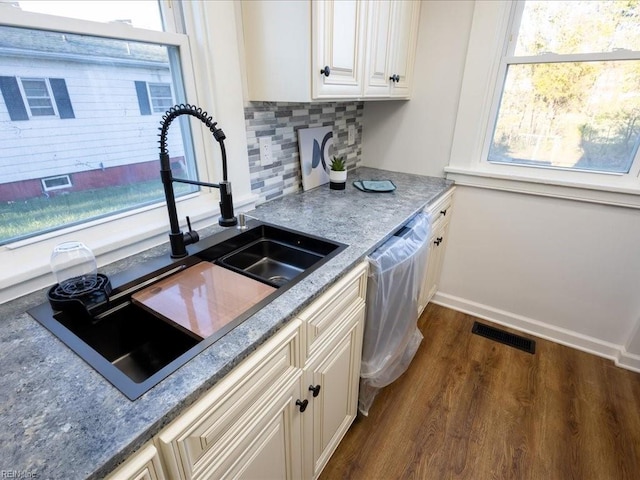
391,334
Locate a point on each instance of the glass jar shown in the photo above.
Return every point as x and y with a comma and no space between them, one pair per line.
74,266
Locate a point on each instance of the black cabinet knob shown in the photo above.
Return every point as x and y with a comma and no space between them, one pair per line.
302,404
394,78
326,71
315,390
438,241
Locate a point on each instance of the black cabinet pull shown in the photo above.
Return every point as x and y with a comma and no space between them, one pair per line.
443,212
438,241
326,71
315,390
302,404
394,78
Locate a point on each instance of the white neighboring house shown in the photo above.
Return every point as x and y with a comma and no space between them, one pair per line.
80,112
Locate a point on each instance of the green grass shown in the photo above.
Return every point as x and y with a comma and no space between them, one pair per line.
25,218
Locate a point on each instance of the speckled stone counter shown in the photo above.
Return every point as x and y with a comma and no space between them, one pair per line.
59,419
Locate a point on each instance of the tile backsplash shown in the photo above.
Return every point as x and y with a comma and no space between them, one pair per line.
280,122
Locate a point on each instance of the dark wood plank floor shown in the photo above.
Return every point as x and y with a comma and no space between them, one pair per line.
471,408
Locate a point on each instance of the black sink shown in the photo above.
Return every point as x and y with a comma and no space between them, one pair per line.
130,347
134,349
274,255
271,261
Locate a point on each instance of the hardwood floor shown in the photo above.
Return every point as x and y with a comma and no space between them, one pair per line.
471,408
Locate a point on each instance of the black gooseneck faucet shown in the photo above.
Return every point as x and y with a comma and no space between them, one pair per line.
180,240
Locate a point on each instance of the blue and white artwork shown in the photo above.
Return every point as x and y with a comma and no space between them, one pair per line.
315,145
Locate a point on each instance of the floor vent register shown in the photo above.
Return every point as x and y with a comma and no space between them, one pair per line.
507,338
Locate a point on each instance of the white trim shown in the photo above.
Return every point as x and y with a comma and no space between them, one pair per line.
628,361
594,346
620,196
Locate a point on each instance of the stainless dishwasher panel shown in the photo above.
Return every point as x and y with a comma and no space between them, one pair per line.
391,335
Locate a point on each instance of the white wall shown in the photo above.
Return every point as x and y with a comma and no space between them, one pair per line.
415,136
561,269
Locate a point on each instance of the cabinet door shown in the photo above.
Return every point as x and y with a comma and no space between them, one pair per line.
337,41
271,446
440,213
200,439
378,60
404,35
143,465
437,246
336,371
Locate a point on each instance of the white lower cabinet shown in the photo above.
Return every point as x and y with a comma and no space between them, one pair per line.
282,412
440,214
145,464
333,391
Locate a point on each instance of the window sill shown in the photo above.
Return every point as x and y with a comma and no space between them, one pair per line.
616,195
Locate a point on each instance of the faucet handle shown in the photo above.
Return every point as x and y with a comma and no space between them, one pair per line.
191,236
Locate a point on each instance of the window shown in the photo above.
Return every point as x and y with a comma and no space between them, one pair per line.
549,103
161,99
153,97
570,97
130,220
37,95
109,150
56,183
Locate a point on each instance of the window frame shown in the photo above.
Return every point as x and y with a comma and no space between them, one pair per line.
151,97
25,97
47,188
491,45
125,233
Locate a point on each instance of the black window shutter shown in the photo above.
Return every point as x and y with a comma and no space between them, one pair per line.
61,95
13,98
143,98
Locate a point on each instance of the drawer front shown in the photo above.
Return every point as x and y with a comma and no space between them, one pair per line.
327,312
440,212
199,436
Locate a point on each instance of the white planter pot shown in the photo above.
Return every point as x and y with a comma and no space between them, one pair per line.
337,180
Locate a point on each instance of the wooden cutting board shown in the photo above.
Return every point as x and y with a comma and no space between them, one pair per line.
203,298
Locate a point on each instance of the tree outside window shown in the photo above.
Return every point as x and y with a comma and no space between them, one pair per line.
571,96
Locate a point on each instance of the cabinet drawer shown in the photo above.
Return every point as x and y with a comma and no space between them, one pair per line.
440,212
202,433
326,313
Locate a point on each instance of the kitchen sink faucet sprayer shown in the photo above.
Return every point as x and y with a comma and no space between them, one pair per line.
180,240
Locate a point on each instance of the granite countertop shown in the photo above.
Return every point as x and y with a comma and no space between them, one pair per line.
61,419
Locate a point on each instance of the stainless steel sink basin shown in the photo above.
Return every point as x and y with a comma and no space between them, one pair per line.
134,349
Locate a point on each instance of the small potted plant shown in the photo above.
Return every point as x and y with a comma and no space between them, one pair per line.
337,173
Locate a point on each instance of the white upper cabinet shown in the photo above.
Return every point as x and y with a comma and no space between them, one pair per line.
392,32
322,50
338,32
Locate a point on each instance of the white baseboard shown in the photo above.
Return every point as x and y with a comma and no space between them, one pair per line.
563,336
627,360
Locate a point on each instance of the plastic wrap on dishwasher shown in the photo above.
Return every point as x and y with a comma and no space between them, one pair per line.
391,334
